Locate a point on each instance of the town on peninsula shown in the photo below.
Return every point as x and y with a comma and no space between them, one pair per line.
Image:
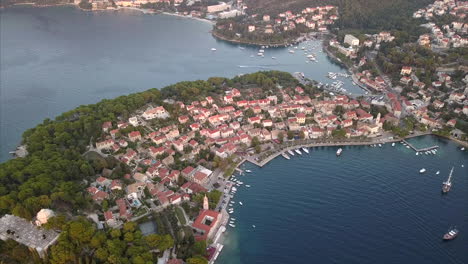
84,186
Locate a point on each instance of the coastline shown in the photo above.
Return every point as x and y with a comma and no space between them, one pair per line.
259,44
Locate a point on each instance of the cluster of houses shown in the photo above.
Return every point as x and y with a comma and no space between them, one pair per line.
448,35
432,96
314,18
443,7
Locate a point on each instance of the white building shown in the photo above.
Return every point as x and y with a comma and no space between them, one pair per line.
351,40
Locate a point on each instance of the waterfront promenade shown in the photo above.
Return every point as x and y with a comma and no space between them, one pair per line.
263,158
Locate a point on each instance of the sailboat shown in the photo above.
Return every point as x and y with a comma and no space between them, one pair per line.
446,185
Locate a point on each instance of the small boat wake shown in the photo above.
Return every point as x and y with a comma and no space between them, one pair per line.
254,66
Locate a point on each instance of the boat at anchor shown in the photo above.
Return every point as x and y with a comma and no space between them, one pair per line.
446,185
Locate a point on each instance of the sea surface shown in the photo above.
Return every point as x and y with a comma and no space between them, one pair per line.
370,205
56,58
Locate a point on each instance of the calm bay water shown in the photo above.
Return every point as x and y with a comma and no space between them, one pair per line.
54,59
371,205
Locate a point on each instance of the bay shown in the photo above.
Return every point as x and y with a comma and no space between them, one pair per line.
370,205
56,58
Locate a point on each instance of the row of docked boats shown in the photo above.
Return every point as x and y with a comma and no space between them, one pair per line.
427,152
292,153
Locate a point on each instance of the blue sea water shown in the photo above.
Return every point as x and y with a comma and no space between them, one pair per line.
57,58
370,205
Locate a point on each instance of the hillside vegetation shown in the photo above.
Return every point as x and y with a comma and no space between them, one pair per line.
354,14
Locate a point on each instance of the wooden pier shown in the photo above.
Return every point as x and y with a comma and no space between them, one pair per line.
419,150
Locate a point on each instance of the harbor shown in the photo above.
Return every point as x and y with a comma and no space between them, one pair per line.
320,188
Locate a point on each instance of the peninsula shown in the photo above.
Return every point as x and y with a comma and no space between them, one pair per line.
167,156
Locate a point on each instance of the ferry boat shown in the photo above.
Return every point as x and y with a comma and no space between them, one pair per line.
291,153
285,156
298,151
338,152
451,234
446,185
305,150
423,170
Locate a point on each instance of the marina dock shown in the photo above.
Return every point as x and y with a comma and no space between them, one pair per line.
419,150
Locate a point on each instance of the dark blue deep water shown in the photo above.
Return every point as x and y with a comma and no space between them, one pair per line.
54,59
371,205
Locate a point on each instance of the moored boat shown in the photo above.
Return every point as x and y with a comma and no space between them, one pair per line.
291,153
298,151
305,150
285,155
423,170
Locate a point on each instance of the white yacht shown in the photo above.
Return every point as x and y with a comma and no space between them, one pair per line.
298,151
393,144
305,150
438,172
241,203
423,170
291,153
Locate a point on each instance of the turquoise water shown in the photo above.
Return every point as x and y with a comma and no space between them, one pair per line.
370,205
54,59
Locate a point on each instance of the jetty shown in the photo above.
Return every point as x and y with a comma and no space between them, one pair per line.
239,170
419,150
260,162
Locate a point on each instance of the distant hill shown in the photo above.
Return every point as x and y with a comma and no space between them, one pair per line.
355,14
